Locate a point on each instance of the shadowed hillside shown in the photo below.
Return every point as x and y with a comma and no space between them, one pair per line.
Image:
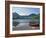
17,16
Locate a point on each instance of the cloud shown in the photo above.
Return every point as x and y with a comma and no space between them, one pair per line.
25,11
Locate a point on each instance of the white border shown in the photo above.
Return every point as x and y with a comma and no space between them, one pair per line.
25,31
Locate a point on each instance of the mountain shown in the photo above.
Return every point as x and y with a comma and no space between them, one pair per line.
32,15
15,15
35,16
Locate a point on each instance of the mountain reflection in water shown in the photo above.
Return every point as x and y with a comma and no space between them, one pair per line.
24,24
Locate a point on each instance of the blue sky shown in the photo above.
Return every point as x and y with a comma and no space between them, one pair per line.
25,11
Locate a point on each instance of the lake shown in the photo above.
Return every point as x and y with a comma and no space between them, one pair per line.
24,24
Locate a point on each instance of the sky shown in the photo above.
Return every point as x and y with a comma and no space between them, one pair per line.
25,10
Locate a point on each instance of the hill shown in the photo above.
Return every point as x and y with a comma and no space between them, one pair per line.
17,16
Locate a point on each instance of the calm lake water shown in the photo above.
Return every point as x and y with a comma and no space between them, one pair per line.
24,24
